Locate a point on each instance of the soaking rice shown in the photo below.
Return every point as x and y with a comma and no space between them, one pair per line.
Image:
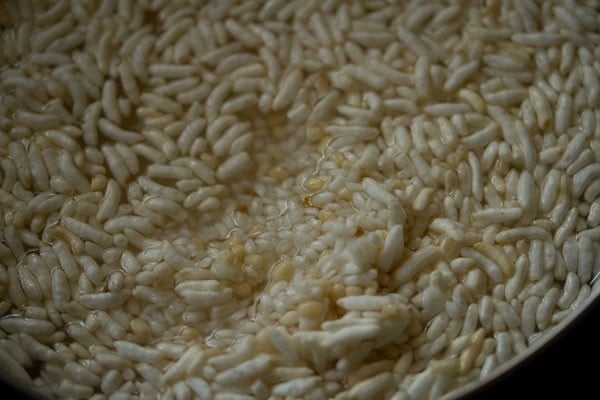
307,199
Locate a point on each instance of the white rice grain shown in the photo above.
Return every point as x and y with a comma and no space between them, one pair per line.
36,327
547,304
417,261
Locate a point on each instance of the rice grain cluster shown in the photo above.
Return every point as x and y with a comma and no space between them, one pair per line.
304,199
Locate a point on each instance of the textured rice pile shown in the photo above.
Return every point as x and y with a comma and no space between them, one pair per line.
292,199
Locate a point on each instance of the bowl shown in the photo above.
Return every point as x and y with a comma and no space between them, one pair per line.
315,199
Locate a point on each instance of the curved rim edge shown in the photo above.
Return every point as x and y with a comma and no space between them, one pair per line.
504,371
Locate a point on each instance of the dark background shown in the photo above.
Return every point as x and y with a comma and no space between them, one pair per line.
567,368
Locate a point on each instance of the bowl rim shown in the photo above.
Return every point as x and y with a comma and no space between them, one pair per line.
504,371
